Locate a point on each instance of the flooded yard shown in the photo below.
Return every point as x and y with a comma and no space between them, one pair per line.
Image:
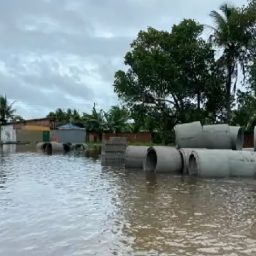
71,205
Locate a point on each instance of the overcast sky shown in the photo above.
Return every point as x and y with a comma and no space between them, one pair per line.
64,53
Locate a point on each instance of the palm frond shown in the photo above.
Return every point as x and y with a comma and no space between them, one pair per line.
219,20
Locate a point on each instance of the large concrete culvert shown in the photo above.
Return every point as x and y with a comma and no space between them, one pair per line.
222,163
135,156
237,137
41,146
56,148
160,159
185,154
150,161
217,136
189,135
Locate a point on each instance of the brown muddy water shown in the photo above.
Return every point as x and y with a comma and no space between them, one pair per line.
70,205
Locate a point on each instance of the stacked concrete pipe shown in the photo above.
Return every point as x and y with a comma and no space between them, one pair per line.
161,159
134,157
237,137
189,135
222,163
220,136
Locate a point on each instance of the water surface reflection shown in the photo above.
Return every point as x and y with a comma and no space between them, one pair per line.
70,205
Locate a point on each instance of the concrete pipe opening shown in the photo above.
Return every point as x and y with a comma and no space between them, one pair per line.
185,154
237,137
150,161
48,149
240,139
193,165
41,146
163,159
66,147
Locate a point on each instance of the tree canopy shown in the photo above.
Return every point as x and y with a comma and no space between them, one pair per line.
171,76
233,34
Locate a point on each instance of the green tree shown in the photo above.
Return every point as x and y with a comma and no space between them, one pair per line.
117,119
63,116
95,122
170,75
233,34
245,114
6,110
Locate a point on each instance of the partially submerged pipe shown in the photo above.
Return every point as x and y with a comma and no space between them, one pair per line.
55,148
163,160
222,163
185,154
134,156
189,135
41,146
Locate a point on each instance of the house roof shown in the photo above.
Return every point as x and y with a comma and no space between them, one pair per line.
69,126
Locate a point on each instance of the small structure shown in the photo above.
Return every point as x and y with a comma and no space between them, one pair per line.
113,152
8,134
68,133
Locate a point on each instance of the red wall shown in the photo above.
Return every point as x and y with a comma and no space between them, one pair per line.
144,137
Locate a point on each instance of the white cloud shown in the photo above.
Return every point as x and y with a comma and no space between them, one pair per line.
64,53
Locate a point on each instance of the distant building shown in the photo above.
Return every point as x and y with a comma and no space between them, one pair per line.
27,131
43,129
69,133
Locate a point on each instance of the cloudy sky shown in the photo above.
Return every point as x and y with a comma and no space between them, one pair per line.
64,53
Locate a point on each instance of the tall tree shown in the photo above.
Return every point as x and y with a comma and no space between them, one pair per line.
232,33
170,75
63,116
6,110
95,122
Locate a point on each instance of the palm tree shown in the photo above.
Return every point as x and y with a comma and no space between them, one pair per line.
6,110
232,35
95,122
117,119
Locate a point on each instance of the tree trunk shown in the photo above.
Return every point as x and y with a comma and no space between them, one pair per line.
198,100
228,94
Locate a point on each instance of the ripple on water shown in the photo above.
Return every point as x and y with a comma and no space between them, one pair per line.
67,205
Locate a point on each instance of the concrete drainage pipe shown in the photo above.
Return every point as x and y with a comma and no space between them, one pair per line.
185,154
189,135
41,146
55,148
160,159
222,163
237,137
134,156
217,136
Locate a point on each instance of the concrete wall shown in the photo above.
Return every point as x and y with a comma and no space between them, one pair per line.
70,135
29,136
8,133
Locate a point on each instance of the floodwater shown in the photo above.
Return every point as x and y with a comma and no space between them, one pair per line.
70,205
